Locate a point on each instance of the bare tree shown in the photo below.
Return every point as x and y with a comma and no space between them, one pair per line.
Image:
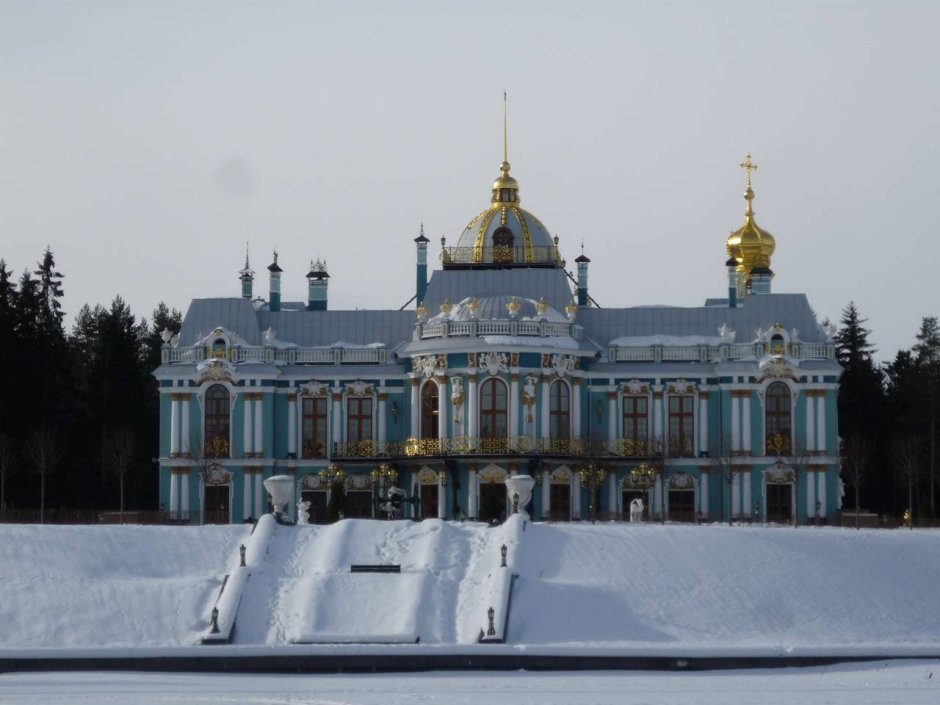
906,455
722,462
857,451
119,451
45,450
7,468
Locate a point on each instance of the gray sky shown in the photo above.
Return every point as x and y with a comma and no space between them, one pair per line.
147,142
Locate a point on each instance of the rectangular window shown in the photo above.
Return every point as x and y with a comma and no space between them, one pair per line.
681,441
358,419
313,427
635,419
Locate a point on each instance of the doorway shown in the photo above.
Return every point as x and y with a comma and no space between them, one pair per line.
559,502
492,502
780,503
216,510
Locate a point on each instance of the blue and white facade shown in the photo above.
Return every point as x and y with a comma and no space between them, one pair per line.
506,365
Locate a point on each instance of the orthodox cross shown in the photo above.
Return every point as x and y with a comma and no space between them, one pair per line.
748,166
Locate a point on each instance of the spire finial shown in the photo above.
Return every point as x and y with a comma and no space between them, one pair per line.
247,266
421,234
275,255
748,165
504,167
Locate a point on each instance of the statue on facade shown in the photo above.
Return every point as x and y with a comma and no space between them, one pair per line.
456,396
636,511
528,396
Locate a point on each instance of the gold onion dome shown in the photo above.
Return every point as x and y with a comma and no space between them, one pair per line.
750,245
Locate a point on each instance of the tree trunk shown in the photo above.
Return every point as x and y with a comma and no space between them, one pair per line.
933,445
42,497
857,515
122,498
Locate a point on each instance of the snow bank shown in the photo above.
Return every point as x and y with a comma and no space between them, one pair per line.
612,588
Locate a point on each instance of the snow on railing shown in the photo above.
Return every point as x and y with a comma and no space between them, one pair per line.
291,356
450,329
706,353
497,588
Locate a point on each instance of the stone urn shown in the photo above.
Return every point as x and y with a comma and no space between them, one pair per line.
281,489
519,488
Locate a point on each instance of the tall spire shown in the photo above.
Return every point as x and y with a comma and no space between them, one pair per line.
505,165
748,165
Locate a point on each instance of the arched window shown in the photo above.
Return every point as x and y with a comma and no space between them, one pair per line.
777,346
777,419
217,420
429,410
493,410
218,347
559,410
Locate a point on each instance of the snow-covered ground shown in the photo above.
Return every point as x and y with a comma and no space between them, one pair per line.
895,683
605,588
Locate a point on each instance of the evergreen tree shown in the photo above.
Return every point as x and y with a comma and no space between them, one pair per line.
8,340
927,361
861,400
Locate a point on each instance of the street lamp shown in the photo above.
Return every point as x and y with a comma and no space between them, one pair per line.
384,476
592,477
333,473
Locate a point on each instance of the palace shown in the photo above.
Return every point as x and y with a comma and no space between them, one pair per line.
506,365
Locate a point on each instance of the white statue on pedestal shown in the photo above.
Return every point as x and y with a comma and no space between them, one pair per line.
303,512
636,511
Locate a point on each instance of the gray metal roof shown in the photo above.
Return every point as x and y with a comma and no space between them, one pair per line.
756,311
205,315
457,284
324,328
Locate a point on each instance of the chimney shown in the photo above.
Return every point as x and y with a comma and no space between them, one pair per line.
274,300
582,262
316,286
760,280
421,244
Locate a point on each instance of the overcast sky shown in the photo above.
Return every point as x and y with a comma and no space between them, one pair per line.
147,142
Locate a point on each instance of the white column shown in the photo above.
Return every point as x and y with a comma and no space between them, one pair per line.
441,499
821,493
747,497
736,495
657,497
746,422
575,496
810,479
443,403
703,494
821,421
703,422
247,437
657,418
735,423
246,503
612,494
184,432
513,409
184,490
292,425
380,421
545,403
472,494
174,507
612,420
810,420
174,424
259,424
337,417
471,413
576,407
546,494
415,431
260,499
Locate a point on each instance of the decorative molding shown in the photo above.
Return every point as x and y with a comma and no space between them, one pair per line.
778,474
314,389
429,365
681,481
776,368
561,476
563,365
312,482
215,370
493,363
635,387
492,473
426,476
359,389
681,386
217,476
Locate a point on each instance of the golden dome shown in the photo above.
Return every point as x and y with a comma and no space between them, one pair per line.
505,188
750,245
